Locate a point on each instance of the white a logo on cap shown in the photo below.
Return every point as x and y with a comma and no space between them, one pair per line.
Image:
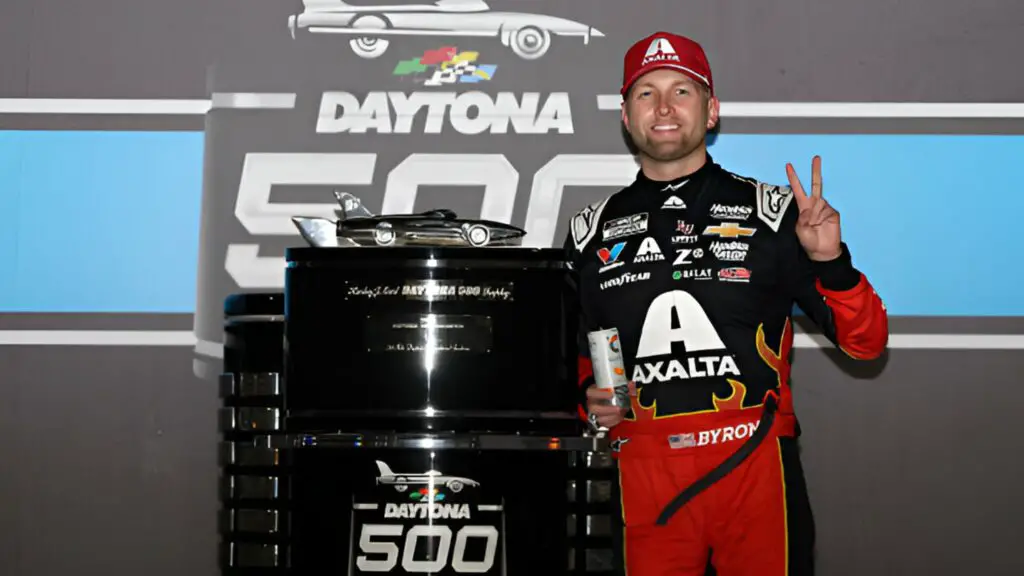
660,50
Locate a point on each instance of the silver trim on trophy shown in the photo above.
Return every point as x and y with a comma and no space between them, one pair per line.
428,441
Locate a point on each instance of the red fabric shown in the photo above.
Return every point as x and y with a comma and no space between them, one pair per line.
861,321
680,53
747,518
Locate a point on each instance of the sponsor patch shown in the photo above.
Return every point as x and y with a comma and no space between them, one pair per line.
729,230
674,203
649,251
731,251
730,212
687,256
627,278
772,202
693,274
610,256
625,226
584,224
736,274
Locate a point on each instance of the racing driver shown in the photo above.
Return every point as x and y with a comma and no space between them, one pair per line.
698,268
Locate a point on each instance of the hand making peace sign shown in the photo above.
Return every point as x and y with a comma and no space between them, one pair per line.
818,224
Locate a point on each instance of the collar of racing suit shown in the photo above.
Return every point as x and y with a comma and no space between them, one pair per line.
683,186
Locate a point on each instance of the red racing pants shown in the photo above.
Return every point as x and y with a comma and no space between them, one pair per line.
755,521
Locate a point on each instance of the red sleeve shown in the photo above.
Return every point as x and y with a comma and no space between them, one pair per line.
844,304
834,294
860,319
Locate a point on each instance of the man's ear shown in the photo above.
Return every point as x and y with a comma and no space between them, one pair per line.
625,117
714,107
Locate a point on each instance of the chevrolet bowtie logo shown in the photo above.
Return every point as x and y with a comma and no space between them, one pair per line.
728,230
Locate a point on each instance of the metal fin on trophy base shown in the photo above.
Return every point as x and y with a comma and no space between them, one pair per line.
351,206
318,232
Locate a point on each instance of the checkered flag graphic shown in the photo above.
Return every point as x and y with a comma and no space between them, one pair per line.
451,74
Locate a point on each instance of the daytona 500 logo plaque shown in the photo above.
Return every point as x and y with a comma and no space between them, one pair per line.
425,523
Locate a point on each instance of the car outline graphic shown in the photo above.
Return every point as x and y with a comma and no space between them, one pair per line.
401,482
527,35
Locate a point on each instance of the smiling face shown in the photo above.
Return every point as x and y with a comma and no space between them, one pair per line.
668,115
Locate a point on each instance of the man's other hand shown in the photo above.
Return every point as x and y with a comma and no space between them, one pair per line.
597,404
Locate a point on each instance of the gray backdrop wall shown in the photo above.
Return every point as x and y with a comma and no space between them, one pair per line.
110,326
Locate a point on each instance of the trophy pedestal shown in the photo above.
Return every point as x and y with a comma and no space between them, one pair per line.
425,423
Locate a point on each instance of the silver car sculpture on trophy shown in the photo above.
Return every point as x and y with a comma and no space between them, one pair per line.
357,226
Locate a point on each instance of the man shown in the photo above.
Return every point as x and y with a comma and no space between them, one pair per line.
698,268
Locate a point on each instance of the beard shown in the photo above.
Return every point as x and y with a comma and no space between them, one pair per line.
668,151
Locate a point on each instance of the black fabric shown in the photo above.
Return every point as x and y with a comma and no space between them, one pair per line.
838,274
738,295
799,517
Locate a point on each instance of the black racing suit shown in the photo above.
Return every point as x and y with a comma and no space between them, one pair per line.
699,275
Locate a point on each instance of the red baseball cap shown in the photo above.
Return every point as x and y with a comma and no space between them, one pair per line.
665,50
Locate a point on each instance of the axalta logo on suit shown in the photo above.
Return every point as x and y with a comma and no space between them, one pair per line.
695,367
707,355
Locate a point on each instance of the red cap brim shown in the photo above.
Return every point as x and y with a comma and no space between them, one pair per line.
657,66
